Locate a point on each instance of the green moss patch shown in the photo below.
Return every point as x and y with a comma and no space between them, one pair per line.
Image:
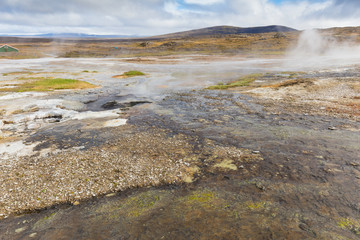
226,164
201,197
242,82
137,205
350,224
133,73
129,74
49,84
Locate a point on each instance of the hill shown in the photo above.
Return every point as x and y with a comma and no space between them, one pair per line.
227,30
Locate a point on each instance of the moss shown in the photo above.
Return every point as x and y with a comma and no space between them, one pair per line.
137,205
349,224
256,205
201,197
133,73
129,74
242,82
50,216
226,164
44,222
49,84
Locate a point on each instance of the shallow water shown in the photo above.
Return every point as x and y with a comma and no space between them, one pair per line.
303,184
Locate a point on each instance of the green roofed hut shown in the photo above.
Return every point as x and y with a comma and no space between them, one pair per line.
7,48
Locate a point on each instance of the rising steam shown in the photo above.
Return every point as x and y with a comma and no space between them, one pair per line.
314,49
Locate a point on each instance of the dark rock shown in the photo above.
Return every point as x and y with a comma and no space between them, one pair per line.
109,105
127,105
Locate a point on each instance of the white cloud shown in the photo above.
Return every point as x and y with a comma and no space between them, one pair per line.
172,8
203,2
151,17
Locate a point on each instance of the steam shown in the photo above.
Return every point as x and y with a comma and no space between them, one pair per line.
314,50
311,43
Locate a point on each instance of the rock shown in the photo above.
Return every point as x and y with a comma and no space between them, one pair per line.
33,126
19,230
354,164
73,105
115,122
332,128
260,186
144,44
52,120
109,105
32,235
307,229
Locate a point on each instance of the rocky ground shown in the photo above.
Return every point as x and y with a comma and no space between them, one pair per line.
276,159
323,93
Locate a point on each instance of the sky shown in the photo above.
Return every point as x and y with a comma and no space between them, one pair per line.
154,17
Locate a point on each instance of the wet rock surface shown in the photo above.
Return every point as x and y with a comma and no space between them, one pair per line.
299,181
201,164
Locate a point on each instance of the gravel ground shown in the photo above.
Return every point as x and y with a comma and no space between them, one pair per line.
338,97
135,160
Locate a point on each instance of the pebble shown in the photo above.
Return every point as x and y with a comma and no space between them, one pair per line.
32,235
332,128
110,195
19,230
354,164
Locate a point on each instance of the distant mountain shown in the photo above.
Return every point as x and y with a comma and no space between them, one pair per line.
81,35
210,31
71,35
227,30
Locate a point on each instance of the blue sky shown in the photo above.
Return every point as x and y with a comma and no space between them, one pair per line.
152,17
278,1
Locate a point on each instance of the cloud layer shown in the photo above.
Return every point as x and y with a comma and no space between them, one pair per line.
151,17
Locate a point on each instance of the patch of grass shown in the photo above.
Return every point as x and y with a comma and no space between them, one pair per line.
242,82
49,84
133,73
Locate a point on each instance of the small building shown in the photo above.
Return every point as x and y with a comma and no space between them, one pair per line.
7,48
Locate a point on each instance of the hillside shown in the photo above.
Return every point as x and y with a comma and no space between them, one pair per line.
227,30
256,41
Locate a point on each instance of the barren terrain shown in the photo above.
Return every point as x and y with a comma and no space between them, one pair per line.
230,137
